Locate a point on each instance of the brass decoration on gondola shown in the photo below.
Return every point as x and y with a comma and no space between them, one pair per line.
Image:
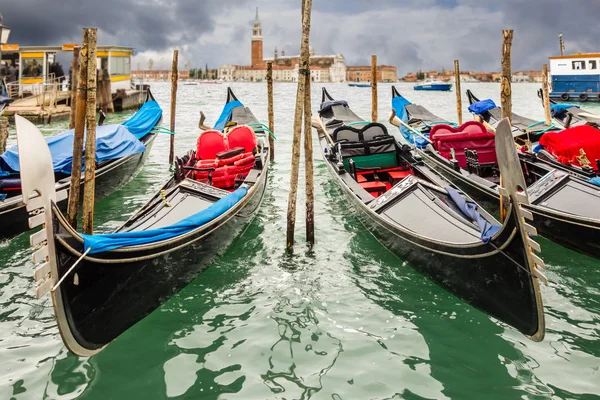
582,159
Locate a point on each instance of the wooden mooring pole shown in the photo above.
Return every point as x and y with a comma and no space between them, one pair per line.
546,95
174,78
308,164
3,134
303,75
78,107
506,89
458,93
374,88
505,98
89,188
270,107
74,84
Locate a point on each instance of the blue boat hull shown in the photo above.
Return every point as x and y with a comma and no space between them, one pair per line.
359,84
438,86
575,88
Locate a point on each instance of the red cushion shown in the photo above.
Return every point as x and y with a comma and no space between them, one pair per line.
470,127
483,143
210,143
565,145
242,136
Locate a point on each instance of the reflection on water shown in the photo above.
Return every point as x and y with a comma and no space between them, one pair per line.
343,320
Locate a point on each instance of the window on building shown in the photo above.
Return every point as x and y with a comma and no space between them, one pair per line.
593,64
119,66
32,67
578,64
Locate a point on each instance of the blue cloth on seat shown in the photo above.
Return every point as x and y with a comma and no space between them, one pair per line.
226,114
537,148
112,141
558,110
144,119
398,104
111,241
595,181
482,106
486,229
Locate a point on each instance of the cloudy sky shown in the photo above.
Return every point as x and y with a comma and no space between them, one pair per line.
410,34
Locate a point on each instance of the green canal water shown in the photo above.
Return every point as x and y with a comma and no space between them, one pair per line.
343,320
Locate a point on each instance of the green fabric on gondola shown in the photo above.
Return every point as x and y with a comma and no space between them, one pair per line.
383,160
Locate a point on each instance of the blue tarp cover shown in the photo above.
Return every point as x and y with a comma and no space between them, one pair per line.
144,119
398,104
558,109
111,241
112,141
482,106
595,181
469,208
226,114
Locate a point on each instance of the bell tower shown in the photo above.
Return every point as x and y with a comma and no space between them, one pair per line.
257,42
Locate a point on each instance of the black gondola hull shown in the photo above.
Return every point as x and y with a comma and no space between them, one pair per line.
116,289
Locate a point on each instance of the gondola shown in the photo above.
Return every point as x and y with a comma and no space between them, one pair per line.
570,115
415,213
531,134
123,153
103,284
565,209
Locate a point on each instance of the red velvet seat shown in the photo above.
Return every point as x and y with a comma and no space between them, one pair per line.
566,145
241,136
471,135
210,143
374,187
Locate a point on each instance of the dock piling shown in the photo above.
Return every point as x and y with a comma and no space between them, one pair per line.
546,95
458,93
308,165
77,122
3,134
374,88
174,77
270,108
89,187
506,89
303,75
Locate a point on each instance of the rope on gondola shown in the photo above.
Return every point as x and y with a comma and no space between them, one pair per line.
552,126
266,128
160,129
71,269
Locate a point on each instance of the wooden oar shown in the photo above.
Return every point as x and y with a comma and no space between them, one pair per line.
394,120
479,118
318,125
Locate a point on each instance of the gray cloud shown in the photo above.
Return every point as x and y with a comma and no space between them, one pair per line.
411,34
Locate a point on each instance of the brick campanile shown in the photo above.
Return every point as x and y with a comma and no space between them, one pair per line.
257,43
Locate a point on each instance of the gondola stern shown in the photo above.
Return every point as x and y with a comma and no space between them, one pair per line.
230,95
325,96
472,98
395,92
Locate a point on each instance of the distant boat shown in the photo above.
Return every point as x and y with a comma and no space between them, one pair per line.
359,84
433,85
575,78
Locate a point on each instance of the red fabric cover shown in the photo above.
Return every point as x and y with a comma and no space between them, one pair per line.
467,127
374,187
229,160
242,136
247,158
483,143
565,145
399,175
210,143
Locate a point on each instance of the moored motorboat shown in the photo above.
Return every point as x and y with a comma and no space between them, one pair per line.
362,85
103,284
413,212
122,150
565,208
433,85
